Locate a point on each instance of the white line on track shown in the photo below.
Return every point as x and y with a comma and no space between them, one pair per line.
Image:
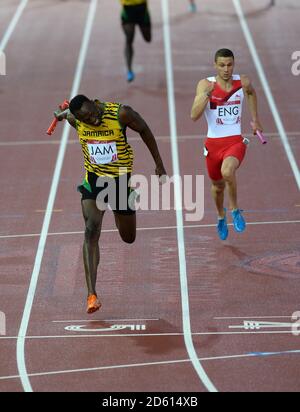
131,139
141,229
145,335
178,201
160,363
267,90
55,181
12,25
255,317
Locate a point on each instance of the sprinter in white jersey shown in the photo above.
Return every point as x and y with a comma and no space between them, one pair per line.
221,99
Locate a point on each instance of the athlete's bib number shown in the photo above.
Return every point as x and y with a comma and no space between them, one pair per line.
102,153
229,114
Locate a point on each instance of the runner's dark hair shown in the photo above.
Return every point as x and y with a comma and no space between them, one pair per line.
77,102
223,53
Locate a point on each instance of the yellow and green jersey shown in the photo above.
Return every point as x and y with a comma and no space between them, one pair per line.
132,2
105,148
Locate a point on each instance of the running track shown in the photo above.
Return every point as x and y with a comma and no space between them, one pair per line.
254,277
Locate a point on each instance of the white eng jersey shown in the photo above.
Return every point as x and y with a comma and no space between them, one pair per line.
224,110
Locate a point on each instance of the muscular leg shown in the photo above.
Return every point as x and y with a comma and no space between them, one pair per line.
91,255
126,225
217,191
229,167
129,30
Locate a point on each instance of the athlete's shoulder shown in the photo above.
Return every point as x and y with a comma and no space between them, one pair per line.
125,109
207,80
126,114
202,84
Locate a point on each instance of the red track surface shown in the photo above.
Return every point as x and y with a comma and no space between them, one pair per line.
254,275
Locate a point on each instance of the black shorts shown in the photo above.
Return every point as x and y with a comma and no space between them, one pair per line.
136,15
114,192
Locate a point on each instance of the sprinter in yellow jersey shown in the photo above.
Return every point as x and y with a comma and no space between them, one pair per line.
134,12
108,161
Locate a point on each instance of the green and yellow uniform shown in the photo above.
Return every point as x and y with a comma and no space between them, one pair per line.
108,160
132,2
105,148
135,12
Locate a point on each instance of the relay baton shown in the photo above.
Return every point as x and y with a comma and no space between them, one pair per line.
52,126
260,135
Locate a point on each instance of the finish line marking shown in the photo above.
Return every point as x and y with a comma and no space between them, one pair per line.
131,139
170,362
213,225
162,334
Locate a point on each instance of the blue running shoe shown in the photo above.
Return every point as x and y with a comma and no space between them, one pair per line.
239,223
130,76
222,228
193,8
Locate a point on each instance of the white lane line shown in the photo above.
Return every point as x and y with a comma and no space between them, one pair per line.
55,181
178,202
141,229
12,25
145,335
267,90
255,317
131,139
160,363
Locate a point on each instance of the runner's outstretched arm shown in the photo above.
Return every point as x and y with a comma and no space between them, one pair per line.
251,97
130,118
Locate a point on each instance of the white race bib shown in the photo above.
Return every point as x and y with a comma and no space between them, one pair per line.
229,113
102,153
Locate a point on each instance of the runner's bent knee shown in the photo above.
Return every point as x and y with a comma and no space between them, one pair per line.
228,174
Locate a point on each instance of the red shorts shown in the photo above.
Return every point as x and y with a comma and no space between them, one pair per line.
221,148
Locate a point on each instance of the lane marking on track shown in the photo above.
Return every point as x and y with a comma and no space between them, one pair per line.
141,229
111,328
265,323
257,325
160,363
12,25
267,90
103,320
54,185
132,139
150,335
178,201
44,210
253,317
